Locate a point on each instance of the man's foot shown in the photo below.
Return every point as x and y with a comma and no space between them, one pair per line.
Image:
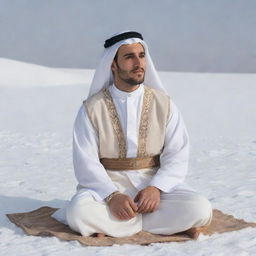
193,232
100,235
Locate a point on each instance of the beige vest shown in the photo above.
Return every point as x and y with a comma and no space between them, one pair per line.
112,142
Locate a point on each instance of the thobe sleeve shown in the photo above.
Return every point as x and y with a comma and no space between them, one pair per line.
175,155
89,172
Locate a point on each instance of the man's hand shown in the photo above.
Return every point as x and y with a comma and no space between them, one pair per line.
122,207
148,199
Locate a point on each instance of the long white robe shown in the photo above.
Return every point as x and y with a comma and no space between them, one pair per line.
91,174
181,207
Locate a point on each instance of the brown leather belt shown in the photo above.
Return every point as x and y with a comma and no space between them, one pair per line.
124,164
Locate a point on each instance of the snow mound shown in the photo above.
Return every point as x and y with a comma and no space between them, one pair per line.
21,74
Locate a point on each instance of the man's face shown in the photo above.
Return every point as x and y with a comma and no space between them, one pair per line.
130,65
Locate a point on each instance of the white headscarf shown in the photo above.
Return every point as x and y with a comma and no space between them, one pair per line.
103,76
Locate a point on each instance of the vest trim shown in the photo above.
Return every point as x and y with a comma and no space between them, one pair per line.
144,122
116,123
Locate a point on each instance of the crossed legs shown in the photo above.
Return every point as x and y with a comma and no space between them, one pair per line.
181,210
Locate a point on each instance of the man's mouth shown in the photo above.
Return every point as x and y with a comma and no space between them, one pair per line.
138,71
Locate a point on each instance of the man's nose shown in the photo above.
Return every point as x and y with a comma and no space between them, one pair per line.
137,61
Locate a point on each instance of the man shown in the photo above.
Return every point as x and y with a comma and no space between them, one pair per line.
130,152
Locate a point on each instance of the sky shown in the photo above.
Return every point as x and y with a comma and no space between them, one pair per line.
188,36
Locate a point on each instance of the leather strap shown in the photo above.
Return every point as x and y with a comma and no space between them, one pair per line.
125,164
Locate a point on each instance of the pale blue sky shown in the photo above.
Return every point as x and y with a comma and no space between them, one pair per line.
183,35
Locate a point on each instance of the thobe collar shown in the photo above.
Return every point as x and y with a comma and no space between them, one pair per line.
116,93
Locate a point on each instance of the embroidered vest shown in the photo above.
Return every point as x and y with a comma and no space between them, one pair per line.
104,117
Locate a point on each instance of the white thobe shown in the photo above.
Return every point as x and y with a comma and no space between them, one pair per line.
181,207
91,174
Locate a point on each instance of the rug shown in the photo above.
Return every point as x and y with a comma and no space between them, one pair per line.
40,223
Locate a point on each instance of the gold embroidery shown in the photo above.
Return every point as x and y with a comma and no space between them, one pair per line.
144,122
126,164
116,123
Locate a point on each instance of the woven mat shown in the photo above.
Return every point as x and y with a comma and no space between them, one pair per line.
40,223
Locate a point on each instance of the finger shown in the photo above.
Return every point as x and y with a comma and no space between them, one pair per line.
152,207
130,211
140,205
137,197
125,214
140,200
147,207
143,205
119,216
133,205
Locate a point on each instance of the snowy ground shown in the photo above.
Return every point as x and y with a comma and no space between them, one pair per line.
38,106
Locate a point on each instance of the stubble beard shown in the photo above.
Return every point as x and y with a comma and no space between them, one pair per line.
124,76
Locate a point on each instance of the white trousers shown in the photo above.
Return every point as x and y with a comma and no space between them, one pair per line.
178,211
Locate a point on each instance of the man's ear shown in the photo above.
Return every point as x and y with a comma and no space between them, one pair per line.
113,66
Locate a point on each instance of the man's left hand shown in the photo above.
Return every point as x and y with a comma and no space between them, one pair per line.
148,199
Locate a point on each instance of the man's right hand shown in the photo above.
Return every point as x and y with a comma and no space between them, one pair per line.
123,207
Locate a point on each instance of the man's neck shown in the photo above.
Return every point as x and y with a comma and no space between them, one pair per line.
126,87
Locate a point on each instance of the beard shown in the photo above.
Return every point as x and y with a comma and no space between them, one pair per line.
124,76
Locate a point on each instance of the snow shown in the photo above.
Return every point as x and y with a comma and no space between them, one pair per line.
38,107
20,74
